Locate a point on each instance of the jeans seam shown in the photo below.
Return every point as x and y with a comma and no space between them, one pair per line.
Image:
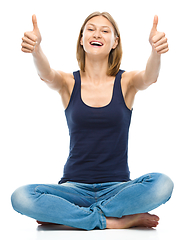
63,191
120,192
103,219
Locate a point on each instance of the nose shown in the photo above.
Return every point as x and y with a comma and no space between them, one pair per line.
97,34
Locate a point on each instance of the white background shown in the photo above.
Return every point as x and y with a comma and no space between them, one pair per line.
33,131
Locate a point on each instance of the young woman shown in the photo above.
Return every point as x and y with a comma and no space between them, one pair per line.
96,190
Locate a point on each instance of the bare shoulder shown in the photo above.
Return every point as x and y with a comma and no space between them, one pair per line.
67,87
127,81
67,78
128,89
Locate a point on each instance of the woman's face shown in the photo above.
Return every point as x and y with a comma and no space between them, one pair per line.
98,36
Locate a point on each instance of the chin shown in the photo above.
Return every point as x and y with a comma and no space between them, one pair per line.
97,52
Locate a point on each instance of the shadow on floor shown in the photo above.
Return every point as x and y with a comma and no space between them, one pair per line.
57,227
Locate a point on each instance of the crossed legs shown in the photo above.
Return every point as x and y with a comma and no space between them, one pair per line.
119,205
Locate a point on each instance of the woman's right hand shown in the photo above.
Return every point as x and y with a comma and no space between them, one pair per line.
31,40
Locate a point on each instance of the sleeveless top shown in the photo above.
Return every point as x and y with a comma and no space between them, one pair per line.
98,138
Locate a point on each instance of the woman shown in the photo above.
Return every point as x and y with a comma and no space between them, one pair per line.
96,190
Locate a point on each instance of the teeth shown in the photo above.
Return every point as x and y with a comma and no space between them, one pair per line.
96,43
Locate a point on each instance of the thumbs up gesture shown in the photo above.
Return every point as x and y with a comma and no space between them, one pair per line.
32,39
157,39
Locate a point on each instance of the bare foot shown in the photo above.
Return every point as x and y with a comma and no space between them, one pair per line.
136,220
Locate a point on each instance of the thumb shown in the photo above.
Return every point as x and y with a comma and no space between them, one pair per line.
34,20
155,23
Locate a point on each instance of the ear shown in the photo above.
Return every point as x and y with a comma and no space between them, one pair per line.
81,41
115,43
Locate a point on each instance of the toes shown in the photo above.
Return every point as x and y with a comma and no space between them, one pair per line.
151,217
148,220
150,224
156,218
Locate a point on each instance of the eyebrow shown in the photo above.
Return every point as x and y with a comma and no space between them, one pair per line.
95,25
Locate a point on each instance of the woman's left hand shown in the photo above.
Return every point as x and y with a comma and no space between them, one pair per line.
157,39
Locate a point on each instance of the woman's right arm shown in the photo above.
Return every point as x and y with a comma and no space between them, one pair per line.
31,44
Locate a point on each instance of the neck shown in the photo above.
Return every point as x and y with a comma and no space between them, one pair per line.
96,69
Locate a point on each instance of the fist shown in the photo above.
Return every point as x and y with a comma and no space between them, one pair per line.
31,40
157,39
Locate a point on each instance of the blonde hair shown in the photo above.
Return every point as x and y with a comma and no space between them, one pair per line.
115,56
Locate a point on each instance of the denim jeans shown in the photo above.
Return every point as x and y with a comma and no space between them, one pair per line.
86,206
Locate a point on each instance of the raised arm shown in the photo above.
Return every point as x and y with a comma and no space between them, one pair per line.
143,79
31,44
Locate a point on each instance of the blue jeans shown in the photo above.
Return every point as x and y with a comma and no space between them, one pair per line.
86,206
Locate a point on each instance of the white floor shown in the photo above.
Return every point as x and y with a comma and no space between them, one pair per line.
31,232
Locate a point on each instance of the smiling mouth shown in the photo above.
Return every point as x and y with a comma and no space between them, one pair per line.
96,44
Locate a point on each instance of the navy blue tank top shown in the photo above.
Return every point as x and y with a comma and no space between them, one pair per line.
98,138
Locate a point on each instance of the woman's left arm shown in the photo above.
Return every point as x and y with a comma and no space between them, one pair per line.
142,80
